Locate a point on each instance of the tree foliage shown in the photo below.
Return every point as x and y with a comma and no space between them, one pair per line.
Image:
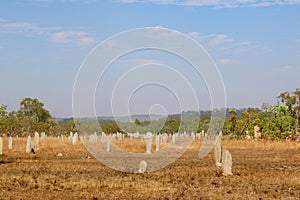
31,117
275,121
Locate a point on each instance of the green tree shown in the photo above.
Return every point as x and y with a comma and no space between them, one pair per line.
233,116
137,122
34,116
3,111
12,124
292,101
288,100
171,126
64,127
297,109
34,109
246,122
111,128
3,115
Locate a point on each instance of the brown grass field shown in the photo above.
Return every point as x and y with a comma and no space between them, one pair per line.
262,170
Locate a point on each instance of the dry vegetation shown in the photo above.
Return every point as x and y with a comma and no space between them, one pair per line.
136,145
262,170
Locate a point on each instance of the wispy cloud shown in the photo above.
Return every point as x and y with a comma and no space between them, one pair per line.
139,61
213,39
54,34
227,61
219,3
222,43
68,1
78,37
208,3
45,3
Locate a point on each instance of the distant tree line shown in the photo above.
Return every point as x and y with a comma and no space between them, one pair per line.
275,121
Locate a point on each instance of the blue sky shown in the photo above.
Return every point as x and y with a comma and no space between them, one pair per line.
255,44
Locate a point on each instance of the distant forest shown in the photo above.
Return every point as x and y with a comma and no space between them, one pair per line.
275,121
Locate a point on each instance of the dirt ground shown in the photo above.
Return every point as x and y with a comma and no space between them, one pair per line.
262,170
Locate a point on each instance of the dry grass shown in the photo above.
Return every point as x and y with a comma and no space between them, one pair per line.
262,170
136,145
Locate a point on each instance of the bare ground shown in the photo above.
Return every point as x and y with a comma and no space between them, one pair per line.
262,170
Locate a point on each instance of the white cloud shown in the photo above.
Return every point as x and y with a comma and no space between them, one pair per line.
219,39
79,1
221,43
227,50
213,39
197,36
78,37
219,3
86,40
24,25
227,61
139,61
54,34
262,4
210,3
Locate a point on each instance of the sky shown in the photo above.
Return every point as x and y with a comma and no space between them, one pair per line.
255,45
